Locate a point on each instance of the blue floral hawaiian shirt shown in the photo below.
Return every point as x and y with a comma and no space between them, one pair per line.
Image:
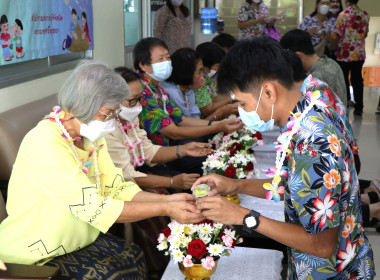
322,192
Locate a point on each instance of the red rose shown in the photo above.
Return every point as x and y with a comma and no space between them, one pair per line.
237,147
167,232
231,151
230,172
248,167
197,248
258,135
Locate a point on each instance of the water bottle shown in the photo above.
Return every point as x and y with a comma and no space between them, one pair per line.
209,20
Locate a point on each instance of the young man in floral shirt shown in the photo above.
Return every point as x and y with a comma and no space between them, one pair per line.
352,27
323,227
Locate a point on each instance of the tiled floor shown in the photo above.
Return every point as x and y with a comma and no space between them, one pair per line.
366,130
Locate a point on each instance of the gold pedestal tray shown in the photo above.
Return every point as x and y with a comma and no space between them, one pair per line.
197,272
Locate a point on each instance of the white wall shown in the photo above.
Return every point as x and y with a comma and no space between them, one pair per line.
109,48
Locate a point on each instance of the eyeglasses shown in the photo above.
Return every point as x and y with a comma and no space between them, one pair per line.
112,115
133,101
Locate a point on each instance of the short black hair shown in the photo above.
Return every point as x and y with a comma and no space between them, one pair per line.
127,74
19,23
211,53
298,40
353,1
184,61
252,61
299,73
73,12
3,19
141,51
224,40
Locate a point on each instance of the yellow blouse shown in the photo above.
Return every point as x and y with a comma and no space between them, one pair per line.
53,207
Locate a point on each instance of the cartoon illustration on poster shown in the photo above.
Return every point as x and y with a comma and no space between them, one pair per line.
44,28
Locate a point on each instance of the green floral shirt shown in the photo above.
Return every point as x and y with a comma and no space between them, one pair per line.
204,95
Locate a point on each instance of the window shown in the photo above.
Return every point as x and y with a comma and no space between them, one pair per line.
132,21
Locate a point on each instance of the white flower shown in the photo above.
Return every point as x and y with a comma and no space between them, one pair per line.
177,256
206,229
162,246
206,238
218,225
229,232
175,242
215,250
177,229
186,240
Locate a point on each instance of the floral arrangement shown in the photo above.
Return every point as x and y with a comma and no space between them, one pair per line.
201,243
234,156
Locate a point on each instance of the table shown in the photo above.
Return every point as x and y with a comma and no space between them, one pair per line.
244,263
267,208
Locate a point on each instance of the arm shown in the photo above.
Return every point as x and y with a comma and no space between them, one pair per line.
251,22
191,128
321,244
182,181
222,112
145,205
193,149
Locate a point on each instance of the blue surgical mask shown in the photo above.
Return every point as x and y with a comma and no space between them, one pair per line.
253,121
161,70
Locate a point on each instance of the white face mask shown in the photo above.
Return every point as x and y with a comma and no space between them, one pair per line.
334,10
95,130
177,2
130,114
257,1
212,73
161,70
324,9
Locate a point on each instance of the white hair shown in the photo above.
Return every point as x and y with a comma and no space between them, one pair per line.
91,85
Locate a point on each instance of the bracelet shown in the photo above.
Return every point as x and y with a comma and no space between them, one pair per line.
171,182
210,122
177,152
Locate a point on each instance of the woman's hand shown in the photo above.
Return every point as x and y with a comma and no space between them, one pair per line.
226,111
221,210
184,212
218,184
179,197
230,125
196,149
185,181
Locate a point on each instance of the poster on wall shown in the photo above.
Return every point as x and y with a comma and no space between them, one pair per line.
40,28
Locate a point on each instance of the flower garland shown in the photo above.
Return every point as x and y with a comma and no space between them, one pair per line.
59,114
282,148
137,160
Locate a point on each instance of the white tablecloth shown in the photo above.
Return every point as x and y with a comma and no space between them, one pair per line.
267,208
244,263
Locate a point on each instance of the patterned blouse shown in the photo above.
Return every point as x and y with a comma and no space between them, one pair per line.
157,112
204,95
322,192
352,25
173,30
249,12
310,22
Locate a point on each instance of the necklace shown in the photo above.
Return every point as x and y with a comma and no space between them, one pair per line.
161,97
59,114
184,93
137,160
282,148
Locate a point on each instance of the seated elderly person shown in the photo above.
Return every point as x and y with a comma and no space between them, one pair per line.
65,192
190,76
162,120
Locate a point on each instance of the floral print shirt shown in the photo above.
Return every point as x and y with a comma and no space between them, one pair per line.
322,192
352,25
157,112
204,95
310,22
249,12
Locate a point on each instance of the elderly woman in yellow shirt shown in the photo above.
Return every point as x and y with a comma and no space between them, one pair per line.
65,192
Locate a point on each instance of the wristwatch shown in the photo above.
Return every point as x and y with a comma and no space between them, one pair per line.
251,221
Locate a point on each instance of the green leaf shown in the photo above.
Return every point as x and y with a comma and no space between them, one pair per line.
316,119
304,192
296,204
303,213
310,278
305,178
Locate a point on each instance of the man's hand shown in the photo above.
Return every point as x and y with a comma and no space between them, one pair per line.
184,212
218,184
222,210
230,125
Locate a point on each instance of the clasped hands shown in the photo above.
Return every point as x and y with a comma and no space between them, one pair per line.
213,207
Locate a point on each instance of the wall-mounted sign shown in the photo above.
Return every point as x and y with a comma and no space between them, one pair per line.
40,28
